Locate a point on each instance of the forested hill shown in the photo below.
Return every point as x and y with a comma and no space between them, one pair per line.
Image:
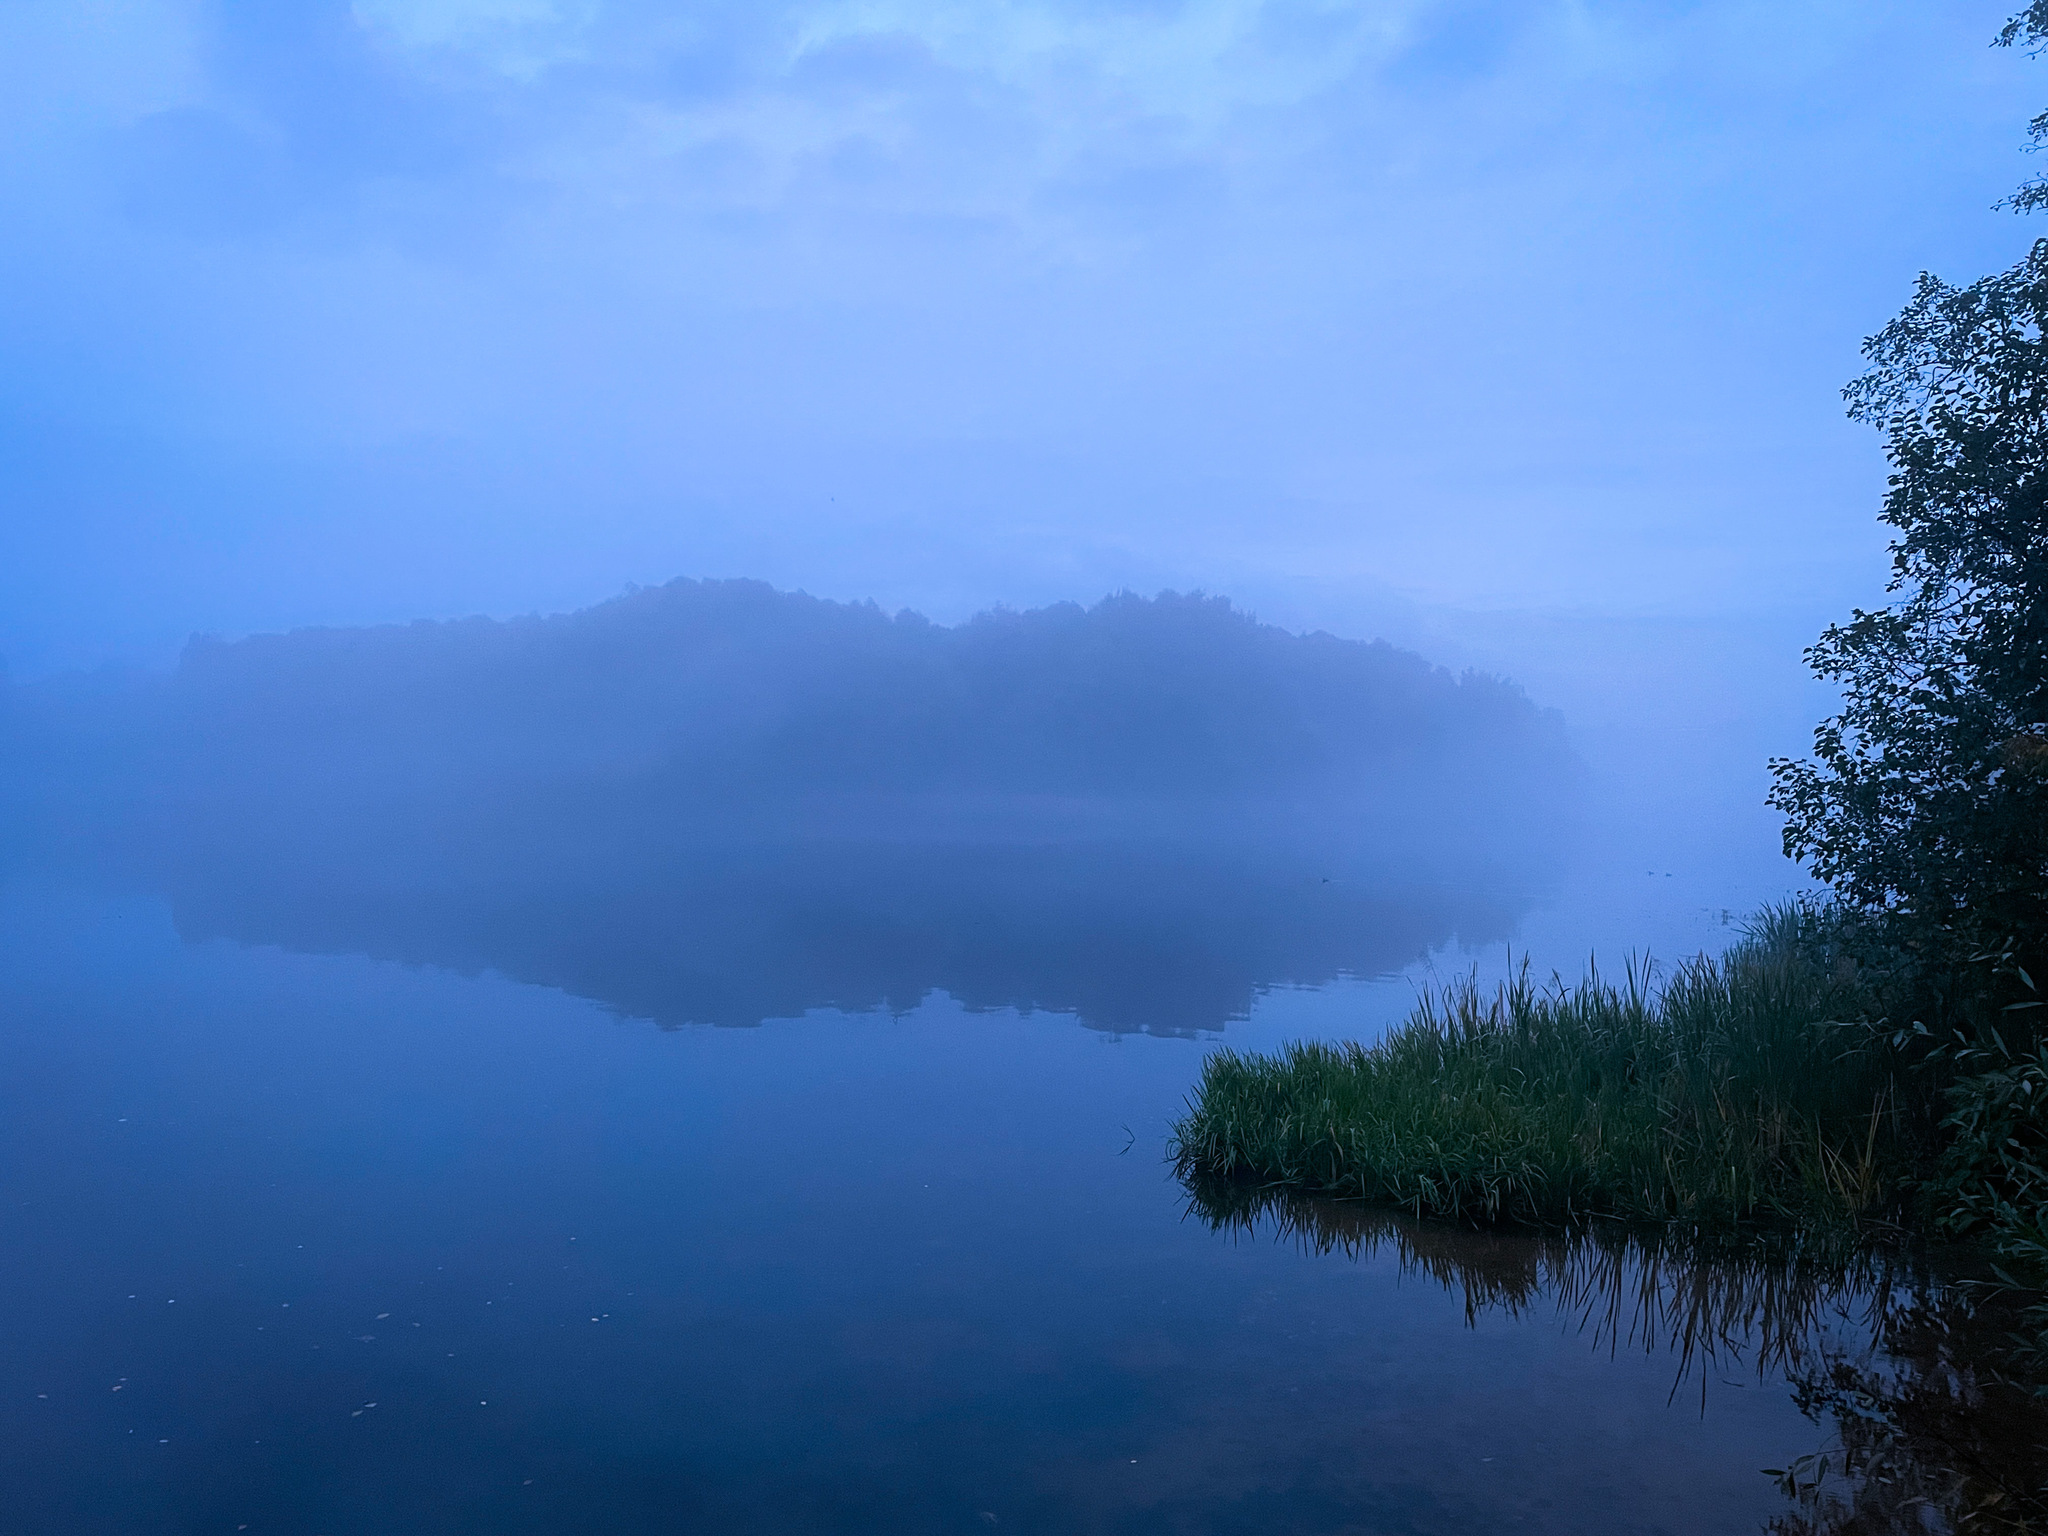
731,690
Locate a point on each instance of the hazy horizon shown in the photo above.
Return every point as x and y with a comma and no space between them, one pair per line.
727,730
1411,319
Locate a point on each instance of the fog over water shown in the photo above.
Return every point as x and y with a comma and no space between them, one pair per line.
350,1184
663,671
714,802
1510,334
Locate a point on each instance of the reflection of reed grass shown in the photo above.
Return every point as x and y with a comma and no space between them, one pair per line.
1926,1433
1900,1367
1769,1303
1721,1097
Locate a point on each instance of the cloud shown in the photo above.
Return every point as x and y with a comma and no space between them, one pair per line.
517,38
1198,60
1193,59
967,105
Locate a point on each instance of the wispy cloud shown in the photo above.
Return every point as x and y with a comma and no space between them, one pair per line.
1197,60
517,38
939,105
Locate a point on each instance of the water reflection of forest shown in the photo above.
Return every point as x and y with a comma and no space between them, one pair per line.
1157,935
1904,1364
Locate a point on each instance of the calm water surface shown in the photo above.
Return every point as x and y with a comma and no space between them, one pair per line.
317,1220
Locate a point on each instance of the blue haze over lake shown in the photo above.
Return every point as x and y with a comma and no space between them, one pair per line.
706,1061
373,1158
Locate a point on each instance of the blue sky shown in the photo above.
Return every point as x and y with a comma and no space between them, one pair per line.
1467,323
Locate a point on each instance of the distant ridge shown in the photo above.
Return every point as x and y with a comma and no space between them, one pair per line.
732,690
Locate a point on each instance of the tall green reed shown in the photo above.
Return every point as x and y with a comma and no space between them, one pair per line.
1724,1093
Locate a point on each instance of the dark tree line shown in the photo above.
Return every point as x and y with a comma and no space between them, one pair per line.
1925,806
1925,810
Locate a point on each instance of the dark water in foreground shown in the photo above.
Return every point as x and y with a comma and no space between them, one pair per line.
297,1240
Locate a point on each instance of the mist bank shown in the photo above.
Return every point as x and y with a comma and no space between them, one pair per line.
727,709
717,802
720,703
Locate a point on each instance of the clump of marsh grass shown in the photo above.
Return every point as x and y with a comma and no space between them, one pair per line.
1728,1092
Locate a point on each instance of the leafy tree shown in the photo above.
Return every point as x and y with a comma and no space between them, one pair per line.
2030,29
1927,807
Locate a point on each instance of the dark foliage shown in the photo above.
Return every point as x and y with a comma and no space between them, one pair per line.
1926,809
2029,30
1928,805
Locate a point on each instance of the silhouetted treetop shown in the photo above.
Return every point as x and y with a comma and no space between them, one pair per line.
731,688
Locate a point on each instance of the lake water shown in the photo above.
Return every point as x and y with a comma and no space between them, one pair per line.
342,1214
